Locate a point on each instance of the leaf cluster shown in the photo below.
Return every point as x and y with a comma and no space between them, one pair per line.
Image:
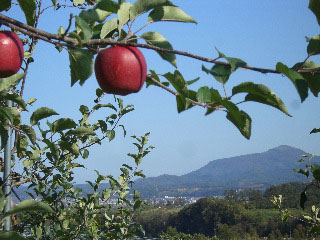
49,151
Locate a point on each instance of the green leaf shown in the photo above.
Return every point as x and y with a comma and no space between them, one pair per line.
236,63
204,94
85,29
142,6
71,147
77,2
315,169
303,199
7,83
4,137
29,131
182,103
53,149
315,130
27,54
136,195
81,131
209,111
208,95
233,111
260,93
75,36
2,200
244,124
54,2
154,76
312,78
239,118
99,92
314,6
314,45
302,171
168,13
221,55
124,130
29,9
10,235
94,15
5,5
40,114
124,14
12,114
103,125
106,194
296,78
38,232
284,217
109,105
14,98
22,144
107,5
156,39
177,81
63,124
85,154
81,62
193,81
109,27
28,206
65,224
220,72
111,134
84,110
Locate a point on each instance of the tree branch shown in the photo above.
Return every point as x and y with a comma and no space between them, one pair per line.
72,42
195,103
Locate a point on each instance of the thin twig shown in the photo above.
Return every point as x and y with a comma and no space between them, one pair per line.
159,84
61,5
69,26
141,28
224,89
306,59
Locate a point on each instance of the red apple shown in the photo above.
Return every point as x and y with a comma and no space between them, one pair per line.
11,54
120,70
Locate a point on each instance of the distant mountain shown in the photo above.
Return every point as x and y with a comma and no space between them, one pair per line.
258,170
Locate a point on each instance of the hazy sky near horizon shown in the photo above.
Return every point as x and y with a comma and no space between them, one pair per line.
261,33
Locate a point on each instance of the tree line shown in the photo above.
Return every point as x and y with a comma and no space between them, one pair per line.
247,214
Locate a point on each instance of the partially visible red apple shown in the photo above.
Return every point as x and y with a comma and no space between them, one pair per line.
120,70
11,54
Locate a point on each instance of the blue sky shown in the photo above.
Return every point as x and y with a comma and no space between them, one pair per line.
261,33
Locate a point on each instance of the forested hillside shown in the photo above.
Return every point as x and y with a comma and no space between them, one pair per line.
248,213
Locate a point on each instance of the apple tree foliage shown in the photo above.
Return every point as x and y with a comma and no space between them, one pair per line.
310,216
49,145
